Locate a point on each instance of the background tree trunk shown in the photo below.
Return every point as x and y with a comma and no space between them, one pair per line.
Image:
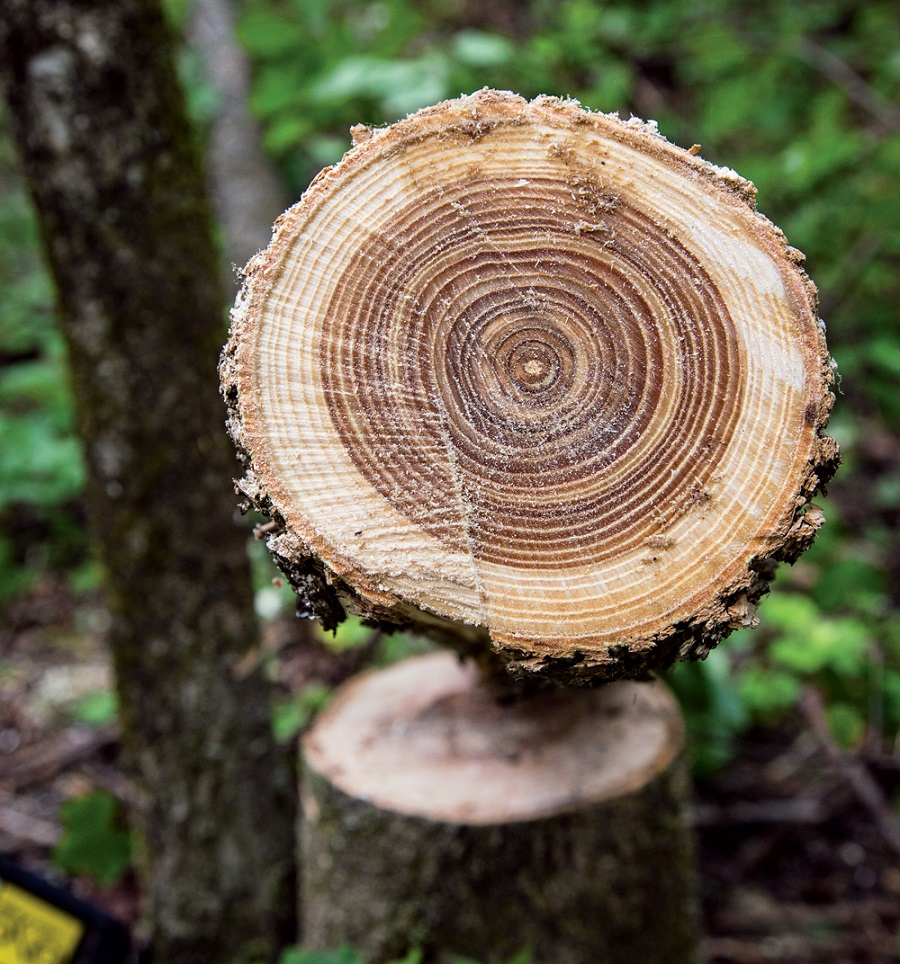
107,152
436,818
247,193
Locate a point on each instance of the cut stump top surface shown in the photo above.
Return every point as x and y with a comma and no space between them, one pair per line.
538,373
425,738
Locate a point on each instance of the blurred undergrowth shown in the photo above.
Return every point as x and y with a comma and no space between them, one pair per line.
347,955
800,98
41,469
94,841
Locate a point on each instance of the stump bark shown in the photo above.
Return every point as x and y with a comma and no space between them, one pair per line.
532,377
436,818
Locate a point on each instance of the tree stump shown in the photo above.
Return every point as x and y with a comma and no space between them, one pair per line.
533,378
437,818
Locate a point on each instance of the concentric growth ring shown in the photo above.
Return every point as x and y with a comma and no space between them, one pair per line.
524,367
540,357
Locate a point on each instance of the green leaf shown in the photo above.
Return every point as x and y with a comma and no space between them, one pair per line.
97,709
716,50
42,384
267,33
401,86
286,133
41,465
352,632
838,644
326,149
343,955
414,956
295,713
279,88
523,957
851,583
846,724
611,88
477,49
883,353
14,578
93,842
709,691
789,613
768,691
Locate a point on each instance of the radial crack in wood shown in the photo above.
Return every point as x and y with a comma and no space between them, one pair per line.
521,372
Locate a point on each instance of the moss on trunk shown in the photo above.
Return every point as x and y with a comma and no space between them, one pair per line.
108,154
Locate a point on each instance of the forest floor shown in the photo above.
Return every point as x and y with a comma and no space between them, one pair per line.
796,862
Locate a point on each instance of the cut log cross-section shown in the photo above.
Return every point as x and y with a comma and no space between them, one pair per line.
518,371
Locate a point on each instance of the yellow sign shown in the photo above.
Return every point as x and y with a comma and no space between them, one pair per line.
33,931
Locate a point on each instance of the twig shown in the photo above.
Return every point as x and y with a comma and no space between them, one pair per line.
857,88
73,746
862,253
854,772
803,811
24,828
737,950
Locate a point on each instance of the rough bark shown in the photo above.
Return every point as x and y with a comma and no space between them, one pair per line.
435,818
538,374
108,155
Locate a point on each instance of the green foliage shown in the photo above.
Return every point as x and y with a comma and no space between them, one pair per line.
800,98
93,841
712,704
839,635
295,712
522,957
843,638
343,955
351,633
97,709
41,471
41,461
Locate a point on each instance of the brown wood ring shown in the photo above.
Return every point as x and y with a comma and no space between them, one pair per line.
518,372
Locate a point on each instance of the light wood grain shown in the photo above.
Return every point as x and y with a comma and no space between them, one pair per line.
424,738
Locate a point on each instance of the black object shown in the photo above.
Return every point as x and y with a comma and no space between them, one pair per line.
40,921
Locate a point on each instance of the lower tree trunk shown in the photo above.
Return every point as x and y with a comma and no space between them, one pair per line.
436,818
107,151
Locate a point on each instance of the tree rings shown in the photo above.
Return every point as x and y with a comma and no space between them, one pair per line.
536,373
